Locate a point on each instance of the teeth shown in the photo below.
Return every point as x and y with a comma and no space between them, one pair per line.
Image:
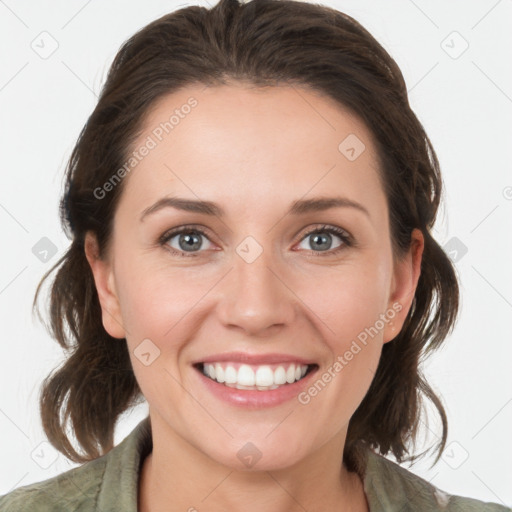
210,371
230,375
248,377
280,376
290,374
264,376
219,373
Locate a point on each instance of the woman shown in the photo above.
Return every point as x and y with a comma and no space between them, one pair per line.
250,205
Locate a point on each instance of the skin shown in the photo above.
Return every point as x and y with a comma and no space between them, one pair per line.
253,151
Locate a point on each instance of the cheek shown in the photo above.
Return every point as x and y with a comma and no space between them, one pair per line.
351,331
162,312
154,296
351,303
350,298
158,313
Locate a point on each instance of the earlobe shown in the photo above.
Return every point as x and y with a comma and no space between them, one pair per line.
104,280
405,280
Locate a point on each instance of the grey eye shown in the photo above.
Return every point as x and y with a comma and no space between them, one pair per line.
320,241
189,241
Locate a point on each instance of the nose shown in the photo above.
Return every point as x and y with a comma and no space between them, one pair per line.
255,298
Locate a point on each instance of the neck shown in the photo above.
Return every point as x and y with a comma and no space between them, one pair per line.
178,477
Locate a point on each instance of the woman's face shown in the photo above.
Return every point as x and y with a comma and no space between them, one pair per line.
276,282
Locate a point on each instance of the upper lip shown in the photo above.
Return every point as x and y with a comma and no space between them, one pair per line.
255,359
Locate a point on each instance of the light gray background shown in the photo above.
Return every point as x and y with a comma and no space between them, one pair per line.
464,101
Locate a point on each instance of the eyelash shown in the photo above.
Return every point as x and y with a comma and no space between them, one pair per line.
341,233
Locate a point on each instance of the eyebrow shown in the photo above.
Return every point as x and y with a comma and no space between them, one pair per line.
299,207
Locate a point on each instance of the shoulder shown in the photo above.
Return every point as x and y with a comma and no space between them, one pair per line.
392,487
106,483
78,487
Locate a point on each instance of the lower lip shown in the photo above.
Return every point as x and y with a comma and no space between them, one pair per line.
253,398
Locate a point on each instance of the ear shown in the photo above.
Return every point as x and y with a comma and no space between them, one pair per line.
406,274
104,280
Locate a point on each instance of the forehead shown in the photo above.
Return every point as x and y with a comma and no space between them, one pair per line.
238,143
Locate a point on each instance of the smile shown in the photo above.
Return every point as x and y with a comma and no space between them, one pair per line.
255,377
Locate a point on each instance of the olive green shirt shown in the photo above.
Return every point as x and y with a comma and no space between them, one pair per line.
110,483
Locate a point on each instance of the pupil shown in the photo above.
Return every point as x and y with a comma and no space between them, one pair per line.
190,242
322,238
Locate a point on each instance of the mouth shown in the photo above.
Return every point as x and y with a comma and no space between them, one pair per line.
252,377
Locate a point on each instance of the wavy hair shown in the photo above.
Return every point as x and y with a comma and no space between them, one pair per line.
265,43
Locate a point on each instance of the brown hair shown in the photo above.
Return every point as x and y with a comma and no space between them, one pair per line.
264,42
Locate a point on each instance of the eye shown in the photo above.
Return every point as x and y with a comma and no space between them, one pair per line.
320,240
187,240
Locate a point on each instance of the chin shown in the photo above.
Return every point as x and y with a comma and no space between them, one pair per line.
259,455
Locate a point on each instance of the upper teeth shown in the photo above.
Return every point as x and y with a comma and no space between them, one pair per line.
254,377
